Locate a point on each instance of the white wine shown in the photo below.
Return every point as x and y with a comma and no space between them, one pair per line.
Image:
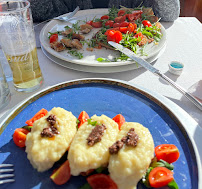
26,69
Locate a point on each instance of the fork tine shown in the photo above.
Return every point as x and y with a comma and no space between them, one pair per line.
6,165
6,181
6,175
6,170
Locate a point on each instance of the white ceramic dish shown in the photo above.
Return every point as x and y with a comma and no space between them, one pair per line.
90,58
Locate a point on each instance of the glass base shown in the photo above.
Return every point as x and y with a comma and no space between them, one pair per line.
5,98
29,86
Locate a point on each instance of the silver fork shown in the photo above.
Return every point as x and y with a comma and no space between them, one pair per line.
61,18
6,174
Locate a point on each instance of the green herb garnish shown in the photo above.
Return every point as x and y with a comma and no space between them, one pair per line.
173,185
91,122
76,53
27,127
103,59
85,186
161,163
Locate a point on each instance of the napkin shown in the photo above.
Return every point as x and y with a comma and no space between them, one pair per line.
196,90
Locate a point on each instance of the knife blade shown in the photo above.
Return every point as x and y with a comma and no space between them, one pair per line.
155,71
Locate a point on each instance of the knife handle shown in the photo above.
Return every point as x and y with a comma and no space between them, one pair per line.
188,95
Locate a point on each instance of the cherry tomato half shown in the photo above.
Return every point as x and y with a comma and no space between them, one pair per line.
89,22
120,19
131,28
83,117
105,17
167,152
139,35
54,38
124,24
19,137
146,23
109,23
101,181
130,17
97,24
121,13
160,176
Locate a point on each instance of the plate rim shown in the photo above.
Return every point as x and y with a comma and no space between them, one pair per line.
176,112
98,64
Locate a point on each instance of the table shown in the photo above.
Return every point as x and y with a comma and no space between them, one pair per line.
184,41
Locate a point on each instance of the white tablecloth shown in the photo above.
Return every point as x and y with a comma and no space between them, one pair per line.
184,44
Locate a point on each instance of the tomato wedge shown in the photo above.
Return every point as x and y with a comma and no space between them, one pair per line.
89,22
130,17
83,117
121,13
105,17
167,152
115,36
139,35
97,24
146,23
124,24
101,181
37,116
160,176
19,137
119,119
109,23
54,38
131,28
62,174
123,29
120,19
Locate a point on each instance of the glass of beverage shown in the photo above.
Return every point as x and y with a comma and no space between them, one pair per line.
4,90
17,40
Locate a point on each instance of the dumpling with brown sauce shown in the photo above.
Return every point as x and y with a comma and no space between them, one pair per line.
129,164
89,148
50,138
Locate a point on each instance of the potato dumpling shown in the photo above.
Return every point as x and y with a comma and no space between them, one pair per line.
83,157
43,152
128,166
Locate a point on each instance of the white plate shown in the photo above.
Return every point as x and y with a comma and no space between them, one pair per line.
90,57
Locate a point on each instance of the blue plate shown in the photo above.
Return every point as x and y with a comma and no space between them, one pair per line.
98,96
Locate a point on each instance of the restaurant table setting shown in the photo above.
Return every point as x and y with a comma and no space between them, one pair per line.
181,47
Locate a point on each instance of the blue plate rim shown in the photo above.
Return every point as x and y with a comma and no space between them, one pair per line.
173,110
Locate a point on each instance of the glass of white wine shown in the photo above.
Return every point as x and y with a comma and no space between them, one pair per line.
18,42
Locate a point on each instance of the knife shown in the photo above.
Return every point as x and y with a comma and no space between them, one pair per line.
155,71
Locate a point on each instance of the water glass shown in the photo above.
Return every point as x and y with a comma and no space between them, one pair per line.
4,89
18,43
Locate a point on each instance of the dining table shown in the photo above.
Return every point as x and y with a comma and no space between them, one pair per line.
183,44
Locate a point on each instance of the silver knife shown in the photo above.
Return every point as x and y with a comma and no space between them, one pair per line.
155,71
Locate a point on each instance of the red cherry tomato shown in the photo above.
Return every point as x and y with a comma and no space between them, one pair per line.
121,13
146,23
119,119
118,36
101,181
19,137
167,152
83,117
123,29
139,35
130,17
112,29
120,19
54,38
109,23
105,17
115,36
124,24
97,24
89,22
131,28
137,12
115,25
160,176
62,174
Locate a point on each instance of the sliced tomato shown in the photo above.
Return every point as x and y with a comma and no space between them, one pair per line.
139,35
130,17
146,23
101,181
54,38
123,29
160,176
124,24
131,28
119,119
89,22
41,113
62,174
105,17
120,19
97,24
19,137
109,23
121,13
167,152
83,117
115,25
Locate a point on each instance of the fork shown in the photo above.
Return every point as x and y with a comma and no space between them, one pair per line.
61,18
4,176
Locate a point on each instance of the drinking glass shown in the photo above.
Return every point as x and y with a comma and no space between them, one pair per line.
4,89
18,42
